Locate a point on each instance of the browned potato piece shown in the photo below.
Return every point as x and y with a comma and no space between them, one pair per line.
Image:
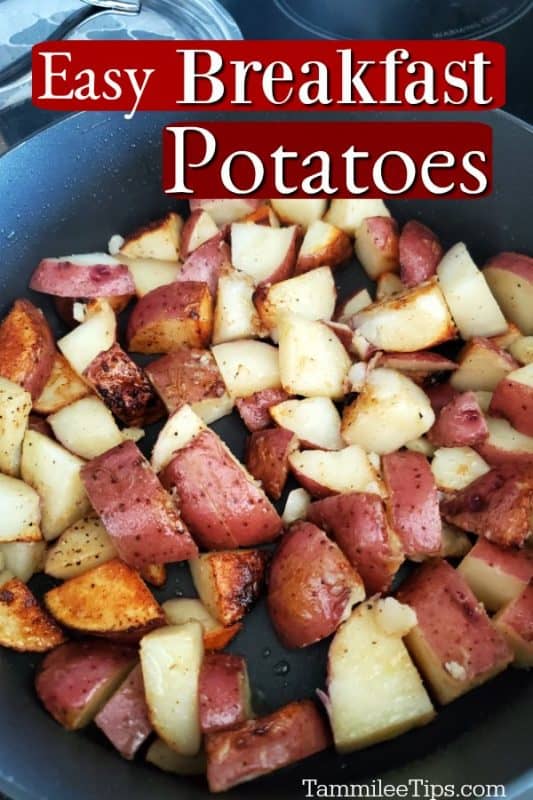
159,239
420,252
27,349
229,581
156,574
110,600
123,387
24,625
179,313
62,388
267,458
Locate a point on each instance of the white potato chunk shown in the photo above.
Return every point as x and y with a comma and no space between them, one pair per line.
262,252
23,559
302,211
296,507
86,428
162,756
311,296
84,545
522,349
149,274
159,240
315,421
235,316
20,513
96,335
247,366
63,387
180,429
455,467
15,407
324,472
349,214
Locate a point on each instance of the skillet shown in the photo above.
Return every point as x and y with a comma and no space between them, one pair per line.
68,189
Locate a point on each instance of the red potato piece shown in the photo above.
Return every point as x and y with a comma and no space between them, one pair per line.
207,263
224,211
123,387
349,306
498,505
217,499
454,642
70,277
508,338
229,582
159,239
417,366
62,388
138,514
515,622
259,746
255,409
24,625
376,245
187,375
413,503
495,574
311,588
267,458
37,423
323,245
224,692
440,394
510,277
460,423
358,524
513,399
198,229
505,446
170,316
110,600
263,215
420,251
482,365
124,718
267,254
75,680
27,349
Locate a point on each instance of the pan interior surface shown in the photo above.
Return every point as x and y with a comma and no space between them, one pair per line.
69,189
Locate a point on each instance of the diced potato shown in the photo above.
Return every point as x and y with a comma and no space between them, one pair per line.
15,407
312,360
92,337
389,412
482,365
351,305
298,502
473,307
179,430
235,316
495,574
171,659
184,609
266,254
164,757
149,274
62,388
247,366
302,211
349,214
375,691
515,622
522,350
376,245
323,472
86,427
24,625
20,513
311,295
314,420
159,239
84,545
455,467
54,473
23,559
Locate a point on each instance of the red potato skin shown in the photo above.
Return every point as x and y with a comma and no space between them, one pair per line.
187,302
309,586
358,524
123,387
440,394
518,615
335,251
255,409
62,278
71,674
222,507
420,253
186,233
384,232
39,424
138,514
454,623
413,504
124,718
517,563
187,375
267,458
27,347
518,263
498,505
259,746
514,401
460,423
221,692
343,333
497,457
419,365
207,263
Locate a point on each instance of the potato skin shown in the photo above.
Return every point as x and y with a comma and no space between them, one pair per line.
358,524
124,718
221,690
207,263
138,514
27,348
267,458
222,507
62,278
124,387
187,375
72,675
24,625
460,423
514,401
310,585
259,746
420,252
440,394
254,409
498,505
412,505
169,316
455,628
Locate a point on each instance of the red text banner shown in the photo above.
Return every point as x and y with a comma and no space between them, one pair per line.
268,75
328,159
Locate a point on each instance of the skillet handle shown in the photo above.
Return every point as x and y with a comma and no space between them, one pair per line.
21,66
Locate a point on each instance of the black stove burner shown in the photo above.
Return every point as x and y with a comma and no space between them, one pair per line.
403,19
